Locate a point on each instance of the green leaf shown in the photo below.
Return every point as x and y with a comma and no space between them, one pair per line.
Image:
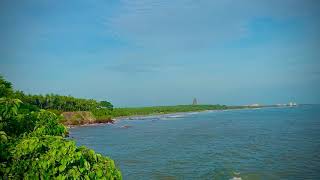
62,168
87,165
99,172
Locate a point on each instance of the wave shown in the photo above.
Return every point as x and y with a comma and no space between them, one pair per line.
236,178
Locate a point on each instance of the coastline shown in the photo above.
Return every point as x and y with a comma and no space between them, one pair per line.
161,115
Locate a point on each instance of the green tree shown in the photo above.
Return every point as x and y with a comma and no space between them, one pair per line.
106,104
32,143
5,88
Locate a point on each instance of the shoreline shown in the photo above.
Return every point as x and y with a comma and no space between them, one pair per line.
137,117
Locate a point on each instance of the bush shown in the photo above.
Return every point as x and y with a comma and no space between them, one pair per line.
32,145
45,154
102,114
52,157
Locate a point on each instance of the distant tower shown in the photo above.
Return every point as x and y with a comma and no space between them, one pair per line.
195,102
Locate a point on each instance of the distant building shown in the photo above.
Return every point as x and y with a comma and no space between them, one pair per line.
195,102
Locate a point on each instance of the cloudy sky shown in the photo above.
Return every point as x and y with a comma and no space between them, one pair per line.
164,52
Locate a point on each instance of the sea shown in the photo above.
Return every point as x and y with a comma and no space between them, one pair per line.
244,144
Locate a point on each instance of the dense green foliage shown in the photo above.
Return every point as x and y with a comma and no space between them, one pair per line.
5,88
61,103
106,104
53,157
33,145
101,113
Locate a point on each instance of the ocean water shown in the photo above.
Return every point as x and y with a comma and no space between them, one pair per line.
267,143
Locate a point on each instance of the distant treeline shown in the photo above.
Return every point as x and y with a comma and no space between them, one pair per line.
164,109
102,111
153,110
60,103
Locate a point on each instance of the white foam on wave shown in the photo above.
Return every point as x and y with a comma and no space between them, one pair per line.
236,174
176,116
169,118
236,178
173,116
193,113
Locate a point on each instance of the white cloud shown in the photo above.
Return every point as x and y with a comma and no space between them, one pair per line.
183,25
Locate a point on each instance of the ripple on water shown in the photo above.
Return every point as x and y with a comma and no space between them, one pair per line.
243,144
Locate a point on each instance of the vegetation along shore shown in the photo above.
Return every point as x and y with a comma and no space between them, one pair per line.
33,127
76,111
32,143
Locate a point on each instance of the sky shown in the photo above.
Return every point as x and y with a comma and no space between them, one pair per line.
164,52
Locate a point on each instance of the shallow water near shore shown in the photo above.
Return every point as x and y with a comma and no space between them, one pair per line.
266,143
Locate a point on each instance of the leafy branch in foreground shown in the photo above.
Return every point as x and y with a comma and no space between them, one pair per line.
50,157
33,145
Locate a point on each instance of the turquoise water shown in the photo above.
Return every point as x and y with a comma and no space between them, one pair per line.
268,143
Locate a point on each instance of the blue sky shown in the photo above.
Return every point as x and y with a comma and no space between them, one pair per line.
163,52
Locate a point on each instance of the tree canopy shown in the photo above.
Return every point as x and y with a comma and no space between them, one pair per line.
33,144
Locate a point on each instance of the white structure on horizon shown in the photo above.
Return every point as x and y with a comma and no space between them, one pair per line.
292,104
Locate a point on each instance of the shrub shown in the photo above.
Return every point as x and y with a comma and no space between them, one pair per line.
52,157
32,145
